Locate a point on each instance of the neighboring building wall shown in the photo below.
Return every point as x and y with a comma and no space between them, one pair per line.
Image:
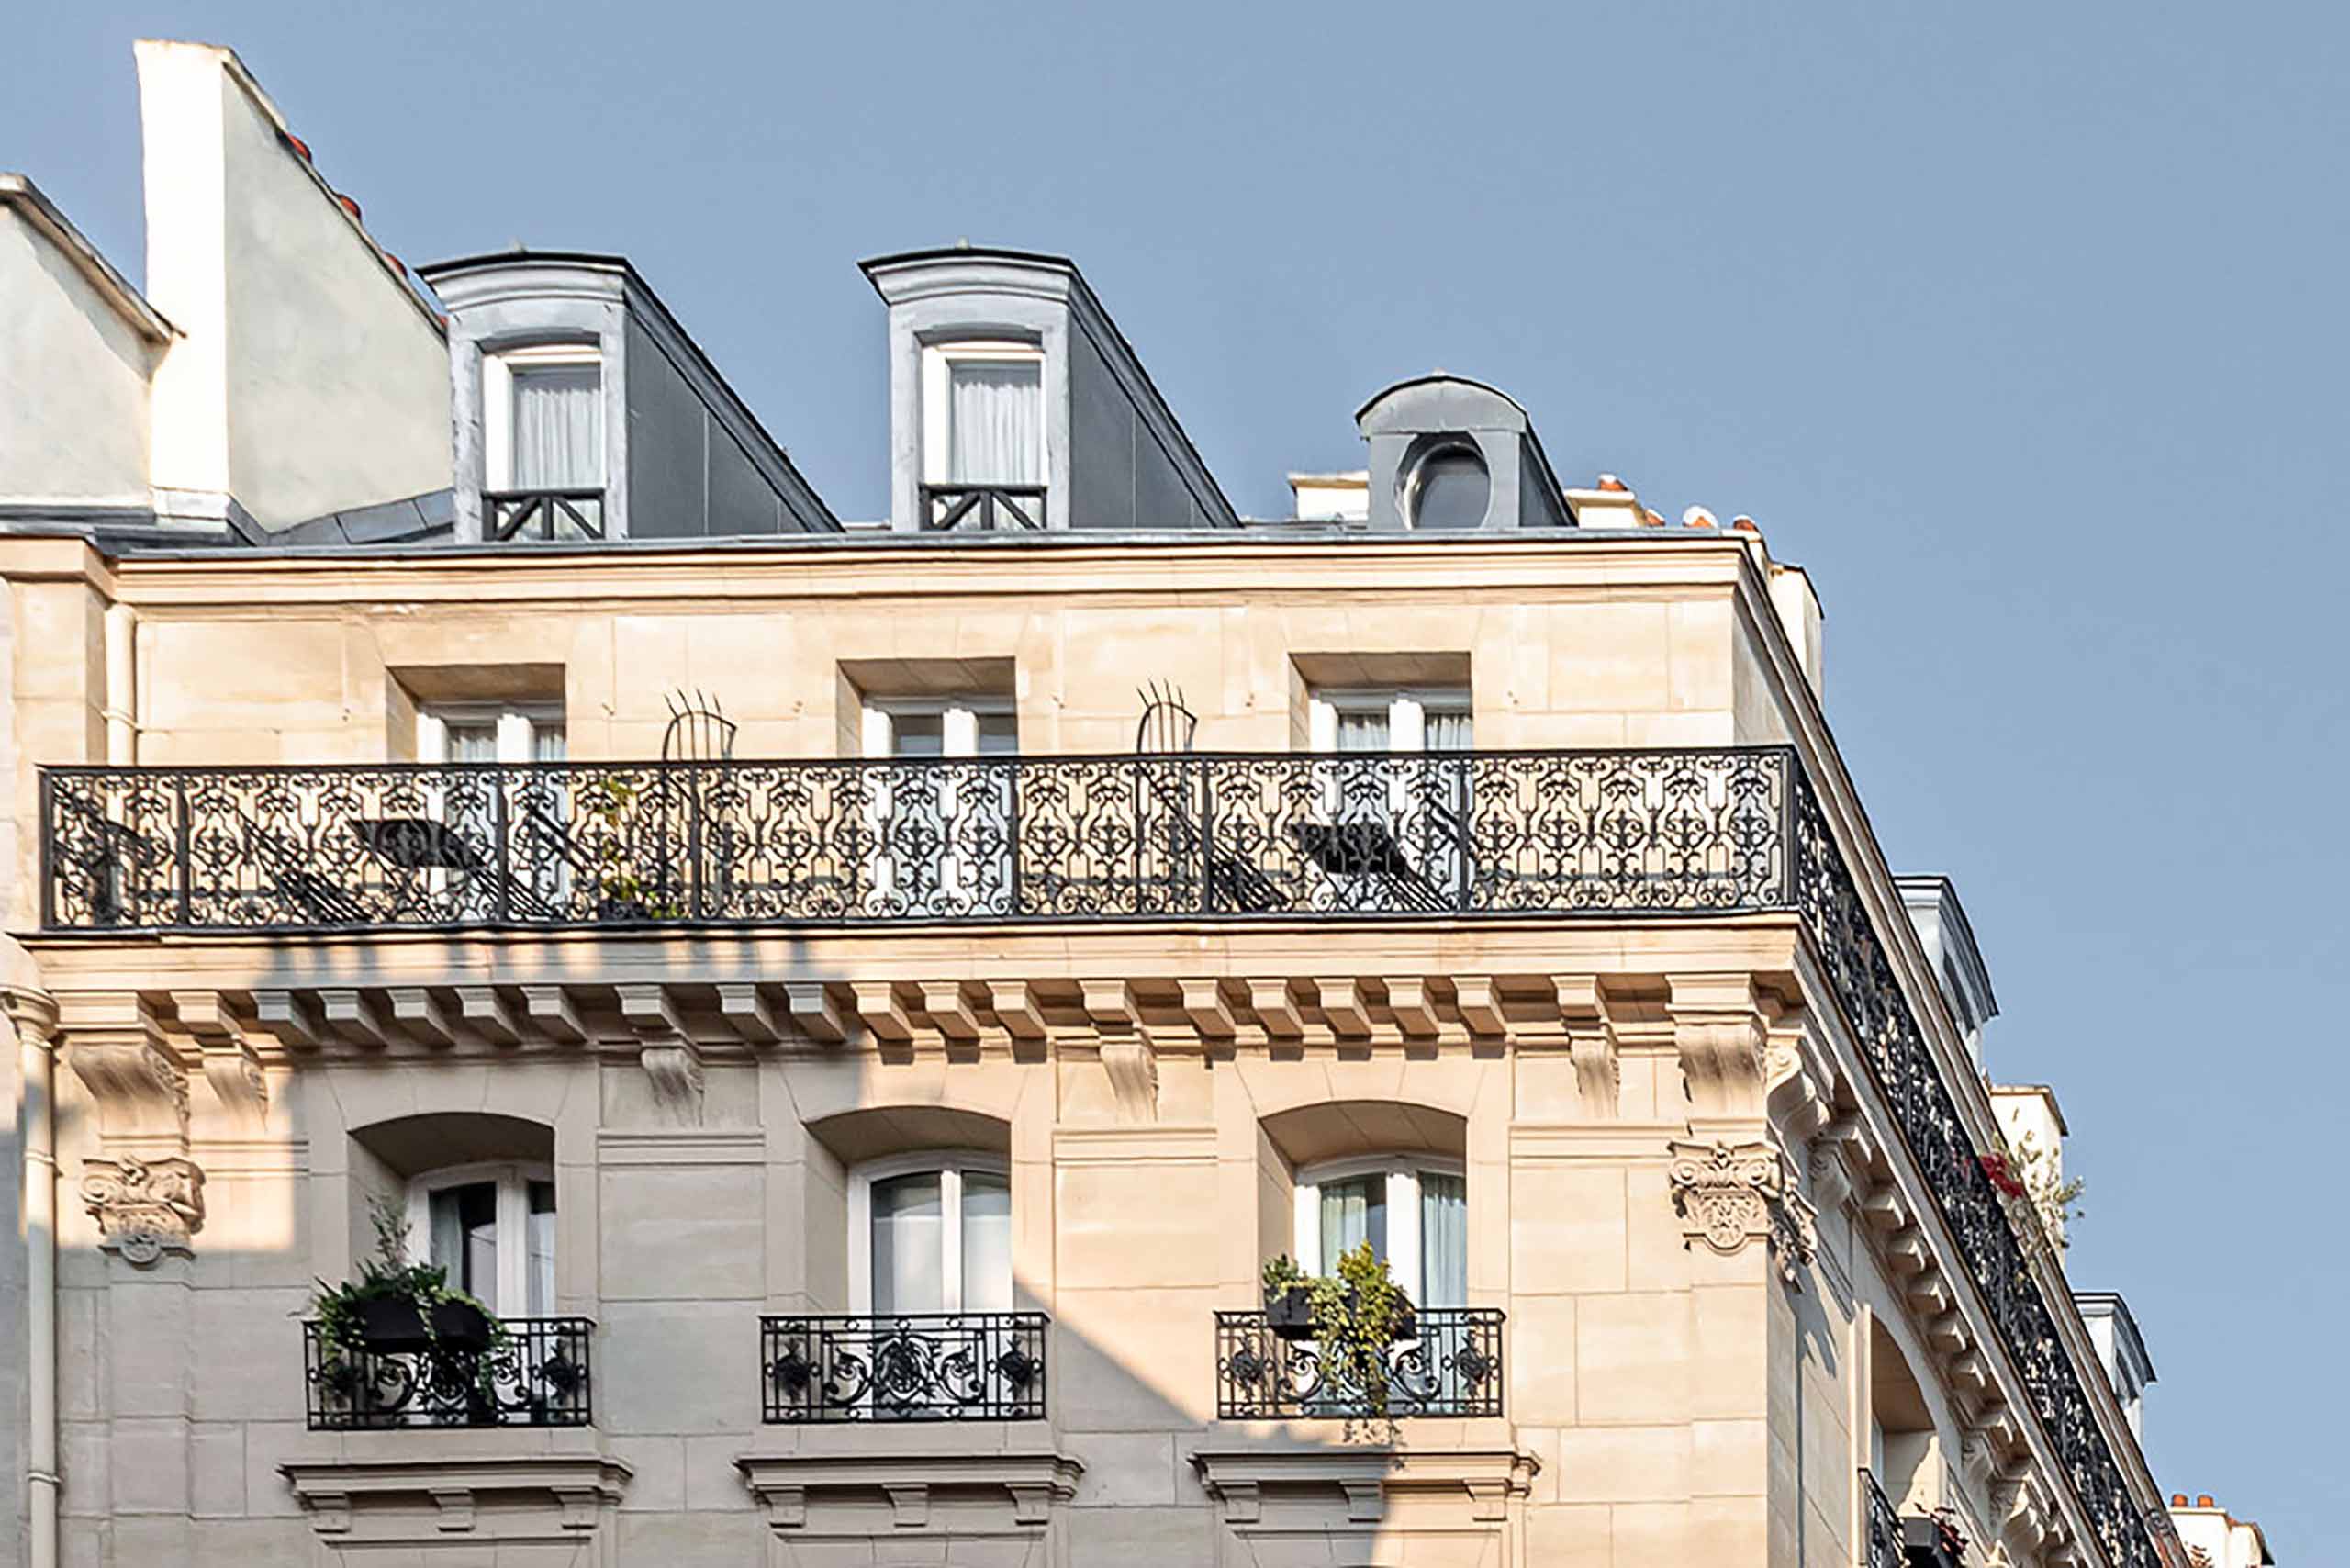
74,376
311,379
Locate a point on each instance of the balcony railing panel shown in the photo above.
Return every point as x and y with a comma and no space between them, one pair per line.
1452,1366
542,514
982,508
536,1374
962,839
972,1366
1881,1541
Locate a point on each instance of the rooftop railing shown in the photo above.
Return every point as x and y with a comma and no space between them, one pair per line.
548,515
1467,836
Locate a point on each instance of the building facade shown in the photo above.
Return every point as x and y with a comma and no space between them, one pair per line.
862,1006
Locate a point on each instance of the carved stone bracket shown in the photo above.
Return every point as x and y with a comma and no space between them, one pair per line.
1717,1026
1731,1194
120,1054
1127,1054
144,1207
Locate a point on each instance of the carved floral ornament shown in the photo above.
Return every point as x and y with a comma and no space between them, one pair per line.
1731,1194
144,1207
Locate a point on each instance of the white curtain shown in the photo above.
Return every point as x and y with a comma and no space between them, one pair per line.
1444,1241
986,1242
1447,732
1362,729
906,1245
539,1248
995,423
1353,1211
559,429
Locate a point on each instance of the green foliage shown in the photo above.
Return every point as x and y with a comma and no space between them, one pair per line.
387,1274
1355,1315
618,881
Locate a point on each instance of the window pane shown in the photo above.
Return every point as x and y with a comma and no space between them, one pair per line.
547,740
1449,489
1448,731
986,1242
472,741
1353,1211
1444,1241
999,734
464,1239
995,422
917,734
540,1245
908,1244
1362,729
559,428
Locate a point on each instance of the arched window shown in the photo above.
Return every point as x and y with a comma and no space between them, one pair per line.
1413,1209
491,1227
930,1232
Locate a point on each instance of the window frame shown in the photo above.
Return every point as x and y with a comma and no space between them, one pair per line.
1407,709
938,361
497,367
1415,482
949,1165
1405,1260
517,725
513,1178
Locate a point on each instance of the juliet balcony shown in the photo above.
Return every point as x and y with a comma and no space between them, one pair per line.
966,1366
534,1372
1447,1363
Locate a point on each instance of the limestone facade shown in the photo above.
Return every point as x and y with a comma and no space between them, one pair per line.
1725,1288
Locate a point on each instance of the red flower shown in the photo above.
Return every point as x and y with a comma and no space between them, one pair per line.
1995,1165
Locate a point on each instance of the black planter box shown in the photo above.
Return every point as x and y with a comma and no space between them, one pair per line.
459,1326
1925,1543
392,1326
1289,1313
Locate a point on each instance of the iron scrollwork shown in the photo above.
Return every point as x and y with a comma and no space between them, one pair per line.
536,1373
972,1366
1451,1366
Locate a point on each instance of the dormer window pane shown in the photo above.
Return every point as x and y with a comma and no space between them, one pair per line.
995,422
558,427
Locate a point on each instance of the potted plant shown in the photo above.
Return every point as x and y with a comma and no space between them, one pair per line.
1354,1316
396,1306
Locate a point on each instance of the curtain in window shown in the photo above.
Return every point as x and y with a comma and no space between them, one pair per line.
986,1242
464,1222
539,1250
1447,732
1353,1211
995,423
559,429
1444,1241
906,1245
1362,729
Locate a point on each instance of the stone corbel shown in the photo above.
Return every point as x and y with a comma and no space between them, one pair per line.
1798,1078
1127,1055
1732,1195
121,1058
1717,1026
1590,1039
231,1067
670,1059
144,1207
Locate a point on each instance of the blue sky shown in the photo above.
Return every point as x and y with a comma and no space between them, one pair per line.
2019,326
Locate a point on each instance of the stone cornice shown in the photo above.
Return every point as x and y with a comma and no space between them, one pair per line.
579,1485
1034,1482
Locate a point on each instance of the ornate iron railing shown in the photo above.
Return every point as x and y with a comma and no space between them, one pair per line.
537,1373
987,839
1893,1043
1881,1529
542,514
1452,1366
969,1366
982,508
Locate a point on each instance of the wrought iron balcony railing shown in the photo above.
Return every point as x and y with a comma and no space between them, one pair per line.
970,1366
1880,1543
1452,1366
982,508
1224,838
535,1375
542,514
985,839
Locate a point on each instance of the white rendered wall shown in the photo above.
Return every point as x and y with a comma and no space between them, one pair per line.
310,380
72,380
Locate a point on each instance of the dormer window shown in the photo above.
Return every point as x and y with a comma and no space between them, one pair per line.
1448,488
983,436
543,442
